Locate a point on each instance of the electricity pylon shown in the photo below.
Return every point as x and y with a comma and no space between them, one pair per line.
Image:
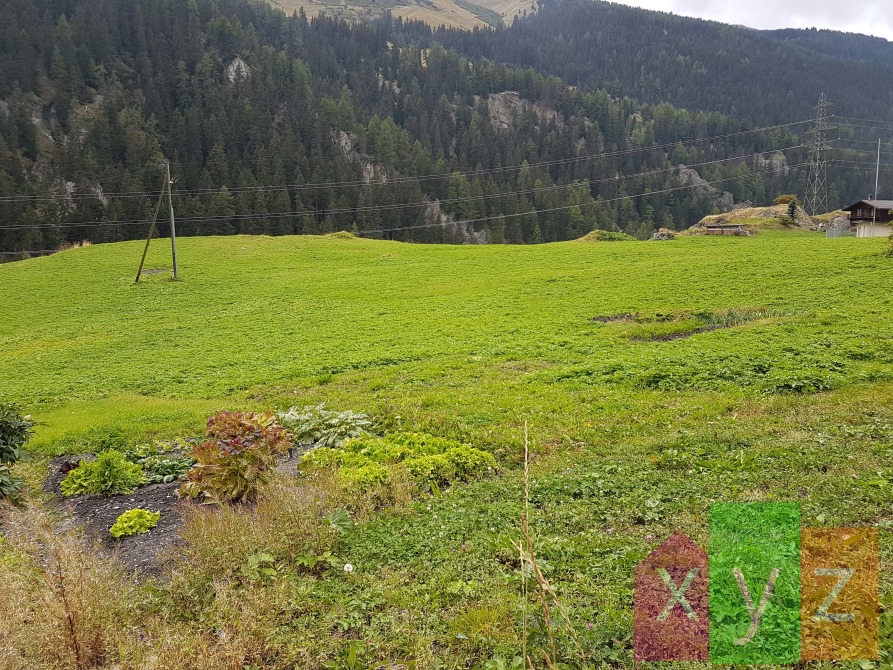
816,199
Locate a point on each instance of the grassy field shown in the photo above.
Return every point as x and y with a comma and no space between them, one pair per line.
434,12
451,13
656,379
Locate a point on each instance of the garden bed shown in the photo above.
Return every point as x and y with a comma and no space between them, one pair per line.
145,554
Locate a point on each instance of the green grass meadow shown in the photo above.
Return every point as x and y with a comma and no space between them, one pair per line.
638,424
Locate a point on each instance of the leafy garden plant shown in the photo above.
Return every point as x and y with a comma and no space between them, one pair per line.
110,473
159,465
322,427
134,522
15,430
235,462
432,461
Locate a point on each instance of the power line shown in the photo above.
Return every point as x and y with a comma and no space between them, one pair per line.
552,209
853,125
398,206
852,118
846,139
406,179
563,207
544,211
870,163
42,252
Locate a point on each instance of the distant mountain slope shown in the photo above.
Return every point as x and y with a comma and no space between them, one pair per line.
450,13
847,46
274,124
704,65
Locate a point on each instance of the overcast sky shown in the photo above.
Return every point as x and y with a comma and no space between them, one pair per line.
870,17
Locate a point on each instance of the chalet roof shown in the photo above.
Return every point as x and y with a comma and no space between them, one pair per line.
880,204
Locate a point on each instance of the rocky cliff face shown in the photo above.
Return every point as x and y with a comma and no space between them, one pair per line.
722,200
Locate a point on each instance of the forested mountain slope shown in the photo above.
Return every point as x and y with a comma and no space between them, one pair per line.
701,65
849,46
281,125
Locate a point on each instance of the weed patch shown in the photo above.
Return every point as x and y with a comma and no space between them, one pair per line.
432,461
666,327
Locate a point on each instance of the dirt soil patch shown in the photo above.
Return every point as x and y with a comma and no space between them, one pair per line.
614,318
145,554
678,336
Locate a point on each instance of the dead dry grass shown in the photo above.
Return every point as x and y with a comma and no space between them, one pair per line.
509,8
285,522
63,606
445,12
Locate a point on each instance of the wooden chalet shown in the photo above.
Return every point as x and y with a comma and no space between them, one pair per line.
871,218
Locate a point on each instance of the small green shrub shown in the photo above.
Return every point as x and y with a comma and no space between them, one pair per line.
109,473
134,522
326,458
468,462
364,477
607,236
421,443
15,431
431,460
322,427
431,469
236,461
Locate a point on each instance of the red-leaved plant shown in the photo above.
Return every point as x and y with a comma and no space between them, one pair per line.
236,461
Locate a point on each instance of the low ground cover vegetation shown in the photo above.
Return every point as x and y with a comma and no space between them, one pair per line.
432,461
446,350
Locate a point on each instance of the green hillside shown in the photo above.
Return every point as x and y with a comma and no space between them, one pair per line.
655,377
253,312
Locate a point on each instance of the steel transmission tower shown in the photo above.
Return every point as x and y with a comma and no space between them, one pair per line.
816,200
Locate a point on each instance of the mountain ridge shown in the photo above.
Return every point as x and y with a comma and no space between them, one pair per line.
249,106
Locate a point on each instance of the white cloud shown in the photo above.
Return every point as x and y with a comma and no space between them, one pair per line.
870,17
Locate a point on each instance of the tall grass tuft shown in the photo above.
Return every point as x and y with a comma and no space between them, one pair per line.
546,596
287,520
61,604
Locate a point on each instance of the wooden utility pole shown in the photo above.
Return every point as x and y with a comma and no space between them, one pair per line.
170,202
165,186
151,232
877,181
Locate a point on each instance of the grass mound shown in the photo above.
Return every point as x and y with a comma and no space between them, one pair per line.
759,219
606,236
